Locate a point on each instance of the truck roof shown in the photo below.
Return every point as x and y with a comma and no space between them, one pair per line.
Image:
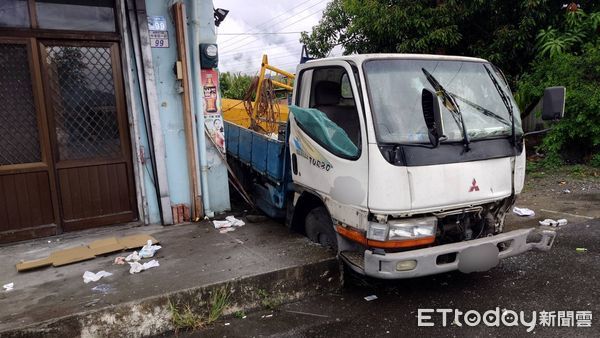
359,58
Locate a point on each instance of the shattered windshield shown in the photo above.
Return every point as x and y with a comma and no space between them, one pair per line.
395,88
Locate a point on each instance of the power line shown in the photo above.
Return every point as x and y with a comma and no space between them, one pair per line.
269,21
258,33
270,55
268,47
231,48
276,23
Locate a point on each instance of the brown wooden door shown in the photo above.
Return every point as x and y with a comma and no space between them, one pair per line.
89,133
28,205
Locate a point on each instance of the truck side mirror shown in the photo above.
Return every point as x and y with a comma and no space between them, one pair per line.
553,104
432,113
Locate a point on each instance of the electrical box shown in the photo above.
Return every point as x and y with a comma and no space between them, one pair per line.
209,55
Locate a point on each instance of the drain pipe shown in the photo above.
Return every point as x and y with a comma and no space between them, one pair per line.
198,104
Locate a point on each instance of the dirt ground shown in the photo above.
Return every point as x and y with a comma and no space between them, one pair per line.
572,192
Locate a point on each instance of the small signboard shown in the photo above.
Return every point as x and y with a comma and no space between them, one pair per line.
157,23
159,39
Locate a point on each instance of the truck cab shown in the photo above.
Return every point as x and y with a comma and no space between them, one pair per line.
407,164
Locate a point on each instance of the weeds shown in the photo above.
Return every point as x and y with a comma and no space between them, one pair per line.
184,317
269,301
219,299
239,314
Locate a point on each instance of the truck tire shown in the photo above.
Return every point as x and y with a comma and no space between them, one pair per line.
319,228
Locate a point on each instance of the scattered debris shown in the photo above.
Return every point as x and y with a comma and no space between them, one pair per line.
134,257
227,324
149,250
567,191
553,223
228,224
226,230
8,287
85,252
581,249
370,298
89,276
102,288
119,260
523,211
136,267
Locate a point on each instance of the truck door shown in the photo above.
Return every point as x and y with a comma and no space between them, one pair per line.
328,145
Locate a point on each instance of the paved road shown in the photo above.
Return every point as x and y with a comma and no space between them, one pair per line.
562,279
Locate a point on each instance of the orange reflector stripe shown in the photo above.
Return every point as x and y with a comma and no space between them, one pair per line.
359,237
351,234
401,244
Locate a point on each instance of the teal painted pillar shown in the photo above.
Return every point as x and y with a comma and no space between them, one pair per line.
215,187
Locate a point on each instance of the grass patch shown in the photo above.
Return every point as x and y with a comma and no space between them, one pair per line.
183,317
219,299
239,314
539,169
269,301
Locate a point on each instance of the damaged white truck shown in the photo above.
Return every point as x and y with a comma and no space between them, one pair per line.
405,164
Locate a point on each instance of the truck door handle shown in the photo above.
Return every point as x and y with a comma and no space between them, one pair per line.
294,164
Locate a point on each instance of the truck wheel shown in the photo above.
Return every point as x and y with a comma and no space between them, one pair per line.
319,228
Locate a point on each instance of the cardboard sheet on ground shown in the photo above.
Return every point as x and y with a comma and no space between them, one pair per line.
90,251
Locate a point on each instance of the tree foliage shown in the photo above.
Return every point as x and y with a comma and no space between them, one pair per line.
569,55
577,28
501,31
234,86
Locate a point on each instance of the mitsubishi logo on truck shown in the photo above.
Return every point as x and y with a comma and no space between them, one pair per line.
474,186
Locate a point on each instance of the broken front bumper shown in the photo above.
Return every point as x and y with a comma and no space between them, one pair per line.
508,244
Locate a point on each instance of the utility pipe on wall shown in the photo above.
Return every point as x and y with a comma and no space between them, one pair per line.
198,103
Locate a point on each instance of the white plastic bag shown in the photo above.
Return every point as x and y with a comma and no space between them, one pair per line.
523,211
136,267
89,276
134,257
149,250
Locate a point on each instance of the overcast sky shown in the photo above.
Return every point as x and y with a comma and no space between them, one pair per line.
243,53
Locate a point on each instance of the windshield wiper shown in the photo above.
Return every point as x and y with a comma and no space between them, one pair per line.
506,102
451,105
482,110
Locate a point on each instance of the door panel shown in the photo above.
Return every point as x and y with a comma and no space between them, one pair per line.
339,177
89,133
27,206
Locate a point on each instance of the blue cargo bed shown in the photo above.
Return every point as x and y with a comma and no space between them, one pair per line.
266,157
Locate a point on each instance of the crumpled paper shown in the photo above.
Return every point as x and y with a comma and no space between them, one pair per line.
553,223
136,267
523,211
89,276
229,222
133,257
149,250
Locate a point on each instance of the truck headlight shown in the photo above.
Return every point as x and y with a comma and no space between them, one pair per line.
377,232
412,228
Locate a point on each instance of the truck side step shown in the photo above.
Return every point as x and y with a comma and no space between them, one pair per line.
355,260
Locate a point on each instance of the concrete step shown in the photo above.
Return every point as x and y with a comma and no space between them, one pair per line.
257,266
